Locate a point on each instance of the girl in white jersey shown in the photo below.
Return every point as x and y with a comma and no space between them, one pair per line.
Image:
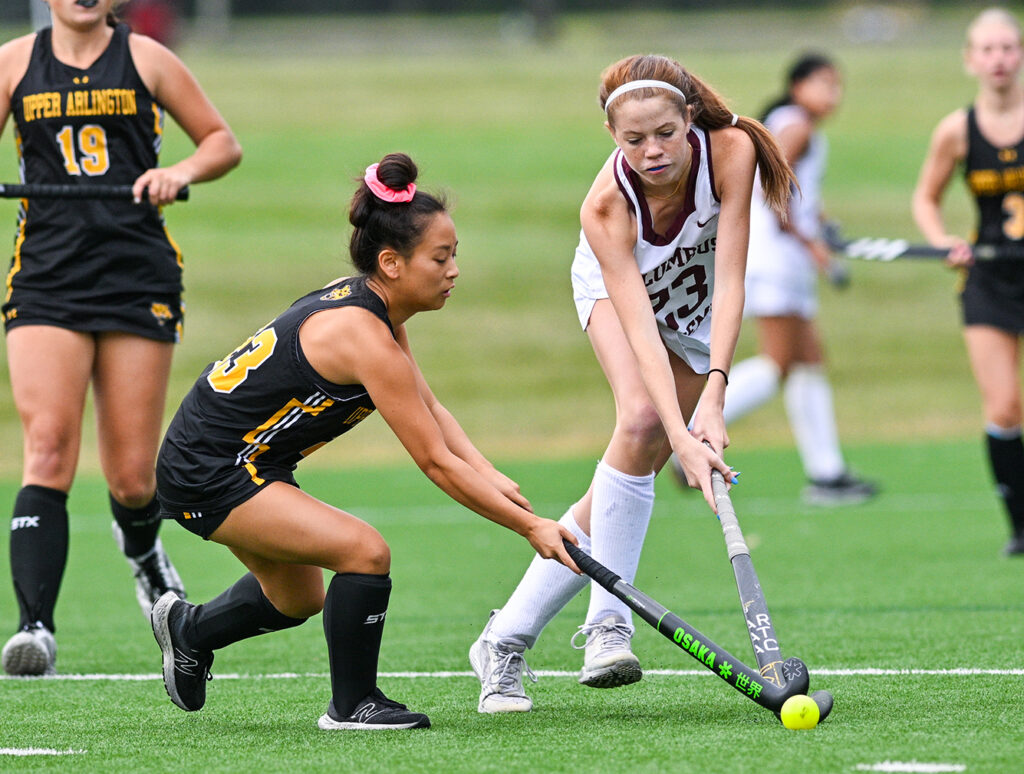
783,263
664,241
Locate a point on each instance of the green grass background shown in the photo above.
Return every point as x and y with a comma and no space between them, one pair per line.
511,130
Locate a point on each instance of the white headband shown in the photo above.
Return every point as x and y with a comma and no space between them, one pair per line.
633,85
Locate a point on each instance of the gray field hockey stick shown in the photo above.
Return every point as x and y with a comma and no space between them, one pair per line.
61,191
883,250
781,673
719,661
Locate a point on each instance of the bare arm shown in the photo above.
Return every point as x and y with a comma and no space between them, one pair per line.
14,58
217,151
948,148
609,229
735,161
350,345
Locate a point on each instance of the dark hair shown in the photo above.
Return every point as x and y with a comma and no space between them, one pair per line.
707,110
802,69
380,224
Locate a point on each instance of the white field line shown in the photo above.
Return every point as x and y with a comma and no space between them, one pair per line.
25,751
912,766
866,672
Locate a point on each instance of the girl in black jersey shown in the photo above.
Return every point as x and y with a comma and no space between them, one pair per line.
988,139
93,292
225,467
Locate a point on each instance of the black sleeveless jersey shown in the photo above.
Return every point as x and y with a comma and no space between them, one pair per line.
95,126
253,415
995,176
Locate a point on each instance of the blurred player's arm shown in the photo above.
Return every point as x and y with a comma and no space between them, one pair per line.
948,148
173,86
14,59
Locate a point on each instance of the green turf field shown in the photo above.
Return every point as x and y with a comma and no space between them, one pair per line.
511,129
910,582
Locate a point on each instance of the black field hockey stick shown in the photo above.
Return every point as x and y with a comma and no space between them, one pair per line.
87,191
717,660
884,250
782,673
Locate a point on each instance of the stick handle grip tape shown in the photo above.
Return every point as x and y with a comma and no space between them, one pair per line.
83,191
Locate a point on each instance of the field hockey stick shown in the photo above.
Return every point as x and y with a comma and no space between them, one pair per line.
717,660
883,250
88,191
782,673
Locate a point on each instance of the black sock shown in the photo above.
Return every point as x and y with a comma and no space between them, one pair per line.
353,624
1007,458
39,551
241,612
138,525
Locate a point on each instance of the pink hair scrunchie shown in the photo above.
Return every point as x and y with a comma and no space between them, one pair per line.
382,192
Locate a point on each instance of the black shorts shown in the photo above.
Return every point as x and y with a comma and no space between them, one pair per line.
202,508
993,294
152,316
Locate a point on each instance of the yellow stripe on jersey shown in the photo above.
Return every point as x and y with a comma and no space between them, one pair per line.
18,242
280,414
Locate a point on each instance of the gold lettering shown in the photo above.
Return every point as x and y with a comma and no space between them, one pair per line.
42,105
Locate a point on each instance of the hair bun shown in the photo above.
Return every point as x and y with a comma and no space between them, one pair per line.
397,171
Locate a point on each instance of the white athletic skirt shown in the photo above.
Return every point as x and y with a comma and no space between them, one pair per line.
782,280
695,350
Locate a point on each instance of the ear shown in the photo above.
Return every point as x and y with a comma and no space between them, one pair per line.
390,263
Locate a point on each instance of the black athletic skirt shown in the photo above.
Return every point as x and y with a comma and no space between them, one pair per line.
993,294
152,316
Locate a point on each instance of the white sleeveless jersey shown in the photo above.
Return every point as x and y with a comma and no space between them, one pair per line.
781,274
677,267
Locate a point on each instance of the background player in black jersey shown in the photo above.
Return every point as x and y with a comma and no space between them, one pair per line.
225,467
93,294
988,138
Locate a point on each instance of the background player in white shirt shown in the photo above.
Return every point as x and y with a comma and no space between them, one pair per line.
664,241
783,262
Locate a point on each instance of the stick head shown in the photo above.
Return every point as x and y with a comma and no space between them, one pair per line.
794,672
824,701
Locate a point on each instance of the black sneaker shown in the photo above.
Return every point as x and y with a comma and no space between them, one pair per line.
186,669
374,712
846,489
1016,545
154,573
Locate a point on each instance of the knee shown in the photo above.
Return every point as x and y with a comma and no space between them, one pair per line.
133,489
1004,410
641,426
366,553
50,451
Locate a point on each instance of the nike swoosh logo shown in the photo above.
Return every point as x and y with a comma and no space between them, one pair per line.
702,225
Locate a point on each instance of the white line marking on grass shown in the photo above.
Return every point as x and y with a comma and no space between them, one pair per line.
865,672
22,751
911,766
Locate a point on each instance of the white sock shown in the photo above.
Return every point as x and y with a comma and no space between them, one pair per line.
808,398
619,515
546,587
752,383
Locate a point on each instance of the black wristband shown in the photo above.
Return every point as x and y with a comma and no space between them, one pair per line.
723,373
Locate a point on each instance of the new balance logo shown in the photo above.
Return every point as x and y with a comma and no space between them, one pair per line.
184,663
367,711
375,618
22,522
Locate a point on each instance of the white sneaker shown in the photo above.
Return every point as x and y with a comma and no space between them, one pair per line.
32,651
500,669
608,661
154,573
